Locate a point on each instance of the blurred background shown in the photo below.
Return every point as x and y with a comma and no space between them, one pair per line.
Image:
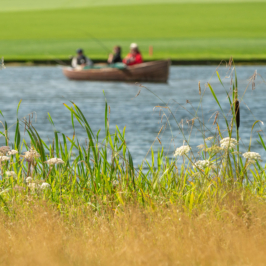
176,29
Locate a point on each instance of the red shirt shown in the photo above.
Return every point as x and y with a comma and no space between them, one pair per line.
137,59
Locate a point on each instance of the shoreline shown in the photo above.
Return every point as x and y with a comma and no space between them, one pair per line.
175,62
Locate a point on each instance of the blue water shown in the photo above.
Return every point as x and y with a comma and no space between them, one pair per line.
45,89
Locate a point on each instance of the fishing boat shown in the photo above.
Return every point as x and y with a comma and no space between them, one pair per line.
156,71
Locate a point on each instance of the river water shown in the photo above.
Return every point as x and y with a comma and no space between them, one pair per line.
45,89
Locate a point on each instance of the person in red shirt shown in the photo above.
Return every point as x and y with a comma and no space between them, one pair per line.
134,57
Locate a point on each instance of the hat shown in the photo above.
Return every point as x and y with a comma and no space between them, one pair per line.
133,46
79,51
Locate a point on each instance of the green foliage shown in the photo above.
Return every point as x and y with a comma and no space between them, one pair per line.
178,31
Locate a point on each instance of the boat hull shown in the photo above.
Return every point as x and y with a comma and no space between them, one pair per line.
156,71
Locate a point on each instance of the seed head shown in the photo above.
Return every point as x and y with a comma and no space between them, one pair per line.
4,150
199,88
209,138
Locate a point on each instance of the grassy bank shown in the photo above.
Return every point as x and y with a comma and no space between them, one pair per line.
232,233
67,203
175,30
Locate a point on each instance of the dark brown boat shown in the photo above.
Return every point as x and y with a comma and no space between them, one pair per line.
156,71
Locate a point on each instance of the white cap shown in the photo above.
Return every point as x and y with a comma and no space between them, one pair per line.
133,46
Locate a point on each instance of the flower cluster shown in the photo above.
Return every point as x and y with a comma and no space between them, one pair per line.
252,156
4,150
45,186
202,164
29,179
54,161
182,150
4,158
31,155
34,186
10,173
228,143
12,152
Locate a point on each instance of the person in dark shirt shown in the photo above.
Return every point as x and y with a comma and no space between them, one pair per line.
116,56
81,60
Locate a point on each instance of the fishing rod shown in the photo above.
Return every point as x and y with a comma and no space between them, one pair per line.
99,42
60,62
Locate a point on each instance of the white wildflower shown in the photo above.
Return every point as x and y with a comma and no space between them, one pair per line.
209,138
4,158
10,173
33,186
228,143
45,186
54,161
31,155
202,164
29,179
12,152
252,156
182,150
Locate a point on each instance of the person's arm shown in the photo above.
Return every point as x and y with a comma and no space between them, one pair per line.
110,58
125,60
129,60
74,62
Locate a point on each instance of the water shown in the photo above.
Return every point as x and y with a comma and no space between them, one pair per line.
45,89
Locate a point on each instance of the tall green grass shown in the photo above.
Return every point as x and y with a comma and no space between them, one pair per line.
101,173
187,31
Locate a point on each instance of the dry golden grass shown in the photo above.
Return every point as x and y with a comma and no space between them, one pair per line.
233,232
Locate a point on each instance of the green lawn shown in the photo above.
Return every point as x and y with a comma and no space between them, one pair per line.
18,5
176,30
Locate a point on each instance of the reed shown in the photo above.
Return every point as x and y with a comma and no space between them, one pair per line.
64,203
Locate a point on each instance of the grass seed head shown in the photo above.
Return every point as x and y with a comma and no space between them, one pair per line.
199,88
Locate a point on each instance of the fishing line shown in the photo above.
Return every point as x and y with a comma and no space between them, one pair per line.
99,42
